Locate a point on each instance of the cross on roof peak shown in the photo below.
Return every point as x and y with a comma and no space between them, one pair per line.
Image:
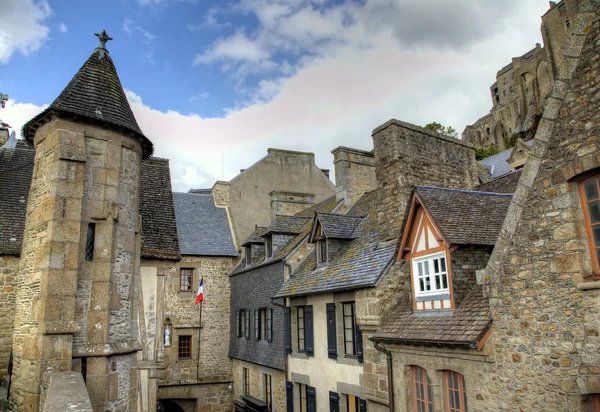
104,37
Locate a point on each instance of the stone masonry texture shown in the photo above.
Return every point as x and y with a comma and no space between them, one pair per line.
9,269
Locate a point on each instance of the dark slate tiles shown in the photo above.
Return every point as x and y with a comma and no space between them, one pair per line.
287,224
203,229
505,184
464,325
465,217
159,228
94,95
16,169
336,226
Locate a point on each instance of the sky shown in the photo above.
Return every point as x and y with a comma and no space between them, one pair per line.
214,84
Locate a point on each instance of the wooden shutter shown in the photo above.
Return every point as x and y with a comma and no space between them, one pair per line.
331,332
247,324
359,343
311,399
363,405
289,395
288,329
257,324
309,345
334,402
270,326
237,323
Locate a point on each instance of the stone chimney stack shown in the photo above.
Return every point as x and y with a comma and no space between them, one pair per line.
408,155
220,192
4,133
289,203
354,173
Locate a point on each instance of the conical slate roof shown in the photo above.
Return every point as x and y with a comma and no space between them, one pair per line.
94,95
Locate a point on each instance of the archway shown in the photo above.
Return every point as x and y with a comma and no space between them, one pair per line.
175,405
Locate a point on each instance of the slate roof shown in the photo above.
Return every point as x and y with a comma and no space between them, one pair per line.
336,226
16,169
463,326
360,262
258,260
159,228
287,225
503,184
497,163
203,229
465,217
256,236
95,88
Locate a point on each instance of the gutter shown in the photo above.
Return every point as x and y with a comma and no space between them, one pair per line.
379,346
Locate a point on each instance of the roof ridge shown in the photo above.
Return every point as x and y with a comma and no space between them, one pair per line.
343,215
464,190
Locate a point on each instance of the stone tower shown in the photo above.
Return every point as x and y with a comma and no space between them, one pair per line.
76,306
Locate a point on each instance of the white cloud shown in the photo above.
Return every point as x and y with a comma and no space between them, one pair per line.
199,96
355,78
209,22
130,27
62,27
22,27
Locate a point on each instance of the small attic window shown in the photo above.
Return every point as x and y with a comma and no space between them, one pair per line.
430,280
269,247
248,255
322,251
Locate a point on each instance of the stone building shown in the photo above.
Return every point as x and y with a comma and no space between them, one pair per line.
281,177
256,342
521,87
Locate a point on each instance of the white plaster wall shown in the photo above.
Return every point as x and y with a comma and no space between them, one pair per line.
149,295
324,373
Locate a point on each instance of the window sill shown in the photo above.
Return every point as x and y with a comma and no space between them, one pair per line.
588,285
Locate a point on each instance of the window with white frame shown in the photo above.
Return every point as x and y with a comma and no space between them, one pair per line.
430,276
269,247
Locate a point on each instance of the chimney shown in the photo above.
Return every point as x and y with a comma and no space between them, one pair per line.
220,192
354,173
408,155
289,203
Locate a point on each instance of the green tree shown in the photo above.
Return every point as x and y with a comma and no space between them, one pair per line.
481,153
440,128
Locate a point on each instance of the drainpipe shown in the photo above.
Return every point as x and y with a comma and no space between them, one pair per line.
379,346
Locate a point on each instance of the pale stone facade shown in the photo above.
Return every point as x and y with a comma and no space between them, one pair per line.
9,271
257,383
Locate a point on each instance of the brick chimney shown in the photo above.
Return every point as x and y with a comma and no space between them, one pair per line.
408,155
354,173
289,203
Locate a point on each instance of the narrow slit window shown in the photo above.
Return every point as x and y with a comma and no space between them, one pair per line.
89,244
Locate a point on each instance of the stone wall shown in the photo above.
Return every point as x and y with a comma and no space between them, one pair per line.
289,203
256,373
180,308
280,170
82,175
408,155
354,173
545,330
464,262
9,271
213,397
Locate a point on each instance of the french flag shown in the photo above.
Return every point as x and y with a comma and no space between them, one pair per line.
200,296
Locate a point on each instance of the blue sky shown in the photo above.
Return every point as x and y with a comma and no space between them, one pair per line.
212,80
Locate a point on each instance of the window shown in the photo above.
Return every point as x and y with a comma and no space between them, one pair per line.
430,275
259,323
422,390
568,23
89,243
185,280
322,251
269,325
353,403
300,321
246,382
303,403
349,326
269,247
456,399
268,392
590,203
595,403
242,324
185,347
248,255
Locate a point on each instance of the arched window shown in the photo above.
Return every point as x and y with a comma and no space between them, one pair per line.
589,190
456,398
422,390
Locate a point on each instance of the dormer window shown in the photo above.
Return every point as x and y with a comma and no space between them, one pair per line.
269,247
322,251
248,255
430,280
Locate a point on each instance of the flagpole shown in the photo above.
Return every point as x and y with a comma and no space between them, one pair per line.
199,329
